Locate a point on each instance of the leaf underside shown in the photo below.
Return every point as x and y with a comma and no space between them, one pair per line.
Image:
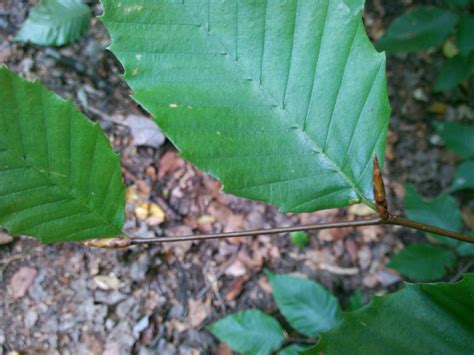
55,23
283,101
59,178
425,318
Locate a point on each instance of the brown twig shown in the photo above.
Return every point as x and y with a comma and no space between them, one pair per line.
384,218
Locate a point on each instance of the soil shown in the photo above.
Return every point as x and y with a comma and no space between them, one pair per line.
67,298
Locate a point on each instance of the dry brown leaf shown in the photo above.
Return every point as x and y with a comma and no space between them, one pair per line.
21,281
107,282
198,312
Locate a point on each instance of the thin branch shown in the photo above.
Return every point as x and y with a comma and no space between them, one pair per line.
384,218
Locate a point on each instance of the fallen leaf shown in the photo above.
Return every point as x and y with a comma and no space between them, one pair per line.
438,108
236,288
107,282
21,281
236,269
361,210
5,238
198,312
156,215
144,131
337,270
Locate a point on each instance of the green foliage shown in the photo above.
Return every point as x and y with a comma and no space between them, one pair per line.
428,27
465,35
454,71
442,212
300,239
464,176
59,178
55,23
457,137
423,262
283,101
249,332
306,305
356,301
294,349
418,29
425,318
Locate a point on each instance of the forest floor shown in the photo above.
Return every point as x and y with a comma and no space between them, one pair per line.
68,298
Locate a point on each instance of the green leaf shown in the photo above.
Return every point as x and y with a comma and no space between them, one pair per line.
457,137
464,34
307,306
464,176
423,262
283,101
59,178
300,239
419,29
249,332
426,318
454,71
55,23
465,249
457,3
294,349
356,301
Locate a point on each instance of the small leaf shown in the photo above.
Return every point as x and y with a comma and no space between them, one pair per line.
55,23
423,262
300,239
426,318
307,306
294,349
465,35
356,301
454,71
283,101
457,137
59,178
249,332
464,176
417,30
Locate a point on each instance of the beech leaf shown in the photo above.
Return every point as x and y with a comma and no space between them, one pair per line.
283,101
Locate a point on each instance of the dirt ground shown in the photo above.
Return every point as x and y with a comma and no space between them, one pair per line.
68,298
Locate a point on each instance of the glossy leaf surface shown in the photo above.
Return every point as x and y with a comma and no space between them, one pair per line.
418,29
249,332
307,306
55,23
424,318
283,101
59,178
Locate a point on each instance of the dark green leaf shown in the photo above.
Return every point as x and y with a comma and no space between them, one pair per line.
457,137
420,319
464,177
457,3
454,71
294,349
59,178
283,101
55,23
423,262
356,301
417,30
465,34
307,306
249,332
300,239
442,212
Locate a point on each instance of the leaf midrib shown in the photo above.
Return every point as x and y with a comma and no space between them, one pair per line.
274,103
